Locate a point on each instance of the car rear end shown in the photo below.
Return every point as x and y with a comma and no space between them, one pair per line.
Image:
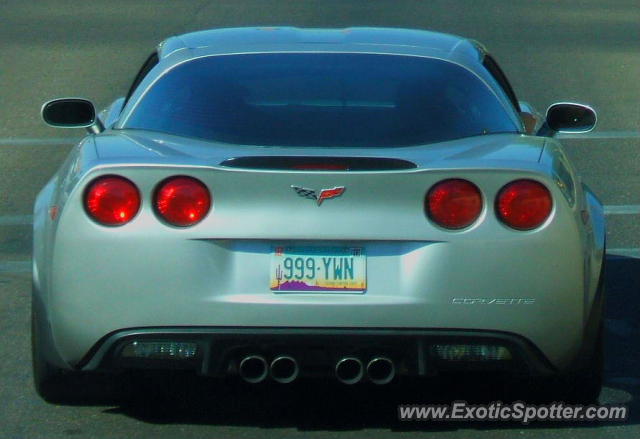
266,272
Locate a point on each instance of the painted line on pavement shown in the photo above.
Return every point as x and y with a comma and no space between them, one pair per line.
624,253
16,220
36,141
623,209
15,267
630,134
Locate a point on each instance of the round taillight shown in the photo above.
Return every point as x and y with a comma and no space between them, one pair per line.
524,204
182,201
454,204
112,200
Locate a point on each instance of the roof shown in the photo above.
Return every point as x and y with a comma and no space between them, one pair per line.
384,40
176,50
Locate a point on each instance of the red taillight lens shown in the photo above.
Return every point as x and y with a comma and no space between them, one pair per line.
524,204
112,200
454,204
182,201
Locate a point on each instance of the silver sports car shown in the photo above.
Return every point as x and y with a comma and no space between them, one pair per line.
367,204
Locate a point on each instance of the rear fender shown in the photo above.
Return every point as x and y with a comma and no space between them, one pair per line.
596,242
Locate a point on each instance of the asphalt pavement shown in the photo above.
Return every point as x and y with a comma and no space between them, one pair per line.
581,50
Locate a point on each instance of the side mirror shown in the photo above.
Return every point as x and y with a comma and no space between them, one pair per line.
572,118
71,113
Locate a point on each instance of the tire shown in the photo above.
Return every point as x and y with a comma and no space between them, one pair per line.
584,386
59,386
45,375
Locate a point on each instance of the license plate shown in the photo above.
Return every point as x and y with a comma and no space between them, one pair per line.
318,269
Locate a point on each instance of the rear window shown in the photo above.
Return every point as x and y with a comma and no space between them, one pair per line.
321,99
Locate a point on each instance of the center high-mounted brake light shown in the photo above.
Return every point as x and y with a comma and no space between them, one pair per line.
182,201
320,167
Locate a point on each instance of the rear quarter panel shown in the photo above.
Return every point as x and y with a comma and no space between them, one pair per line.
55,195
588,211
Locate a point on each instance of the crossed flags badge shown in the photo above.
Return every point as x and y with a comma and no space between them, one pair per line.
324,194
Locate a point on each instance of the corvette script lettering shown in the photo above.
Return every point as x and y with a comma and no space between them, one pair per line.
492,301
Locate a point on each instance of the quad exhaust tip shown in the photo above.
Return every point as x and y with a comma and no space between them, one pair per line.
349,370
381,370
253,369
284,369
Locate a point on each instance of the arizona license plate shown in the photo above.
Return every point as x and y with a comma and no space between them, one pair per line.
318,269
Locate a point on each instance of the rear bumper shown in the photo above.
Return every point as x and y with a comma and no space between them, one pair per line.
317,349
411,285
